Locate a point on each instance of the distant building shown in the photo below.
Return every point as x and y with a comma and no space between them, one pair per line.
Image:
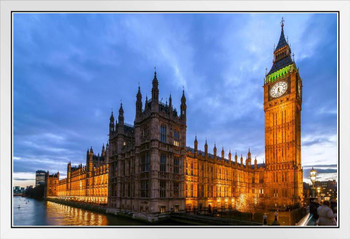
17,190
51,184
39,177
326,190
83,183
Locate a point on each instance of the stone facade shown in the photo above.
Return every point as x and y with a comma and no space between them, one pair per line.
282,106
147,160
208,182
147,170
215,183
86,184
51,184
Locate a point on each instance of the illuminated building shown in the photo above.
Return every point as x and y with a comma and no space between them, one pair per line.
152,172
216,183
146,161
51,186
87,184
142,178
327,189
282,106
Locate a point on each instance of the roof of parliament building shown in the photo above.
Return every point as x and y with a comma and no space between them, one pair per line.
211,156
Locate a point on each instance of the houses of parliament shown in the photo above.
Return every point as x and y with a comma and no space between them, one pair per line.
147,169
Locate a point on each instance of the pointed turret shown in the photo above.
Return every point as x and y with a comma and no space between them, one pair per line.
248,161
236,158
183,106
69,175
282,41
121,119
91,155
111,124
229,155
146,103
241,160
87,155
206,148
255,163
214,150
282,57
155,90
222,153
103,153
69,166
170,106
138,103
121,115
195,146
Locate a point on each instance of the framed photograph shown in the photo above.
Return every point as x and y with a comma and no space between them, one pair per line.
152,119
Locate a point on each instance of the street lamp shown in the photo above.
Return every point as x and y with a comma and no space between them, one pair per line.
318,191
313,180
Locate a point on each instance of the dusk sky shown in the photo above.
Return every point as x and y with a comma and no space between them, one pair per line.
72,70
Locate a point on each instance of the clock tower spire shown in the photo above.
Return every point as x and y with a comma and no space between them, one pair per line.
282,106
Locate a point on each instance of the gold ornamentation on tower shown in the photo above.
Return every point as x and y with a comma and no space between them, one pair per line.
282,106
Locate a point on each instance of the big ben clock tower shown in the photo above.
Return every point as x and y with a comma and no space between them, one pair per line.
282,106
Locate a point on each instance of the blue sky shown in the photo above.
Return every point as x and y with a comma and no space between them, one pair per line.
71,70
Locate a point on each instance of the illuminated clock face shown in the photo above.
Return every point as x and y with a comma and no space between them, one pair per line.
278,89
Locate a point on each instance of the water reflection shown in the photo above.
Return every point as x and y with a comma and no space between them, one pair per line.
30,212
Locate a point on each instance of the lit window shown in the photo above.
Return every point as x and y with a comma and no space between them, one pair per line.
162,209
176,138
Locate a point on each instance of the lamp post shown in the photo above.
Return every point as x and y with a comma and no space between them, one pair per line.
313,180
318,192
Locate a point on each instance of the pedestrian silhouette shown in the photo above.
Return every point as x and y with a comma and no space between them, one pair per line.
326,215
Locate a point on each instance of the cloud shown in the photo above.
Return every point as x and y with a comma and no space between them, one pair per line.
319,148
65,89
23,176
321,166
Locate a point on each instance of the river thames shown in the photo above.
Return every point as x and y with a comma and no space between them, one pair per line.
31,212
